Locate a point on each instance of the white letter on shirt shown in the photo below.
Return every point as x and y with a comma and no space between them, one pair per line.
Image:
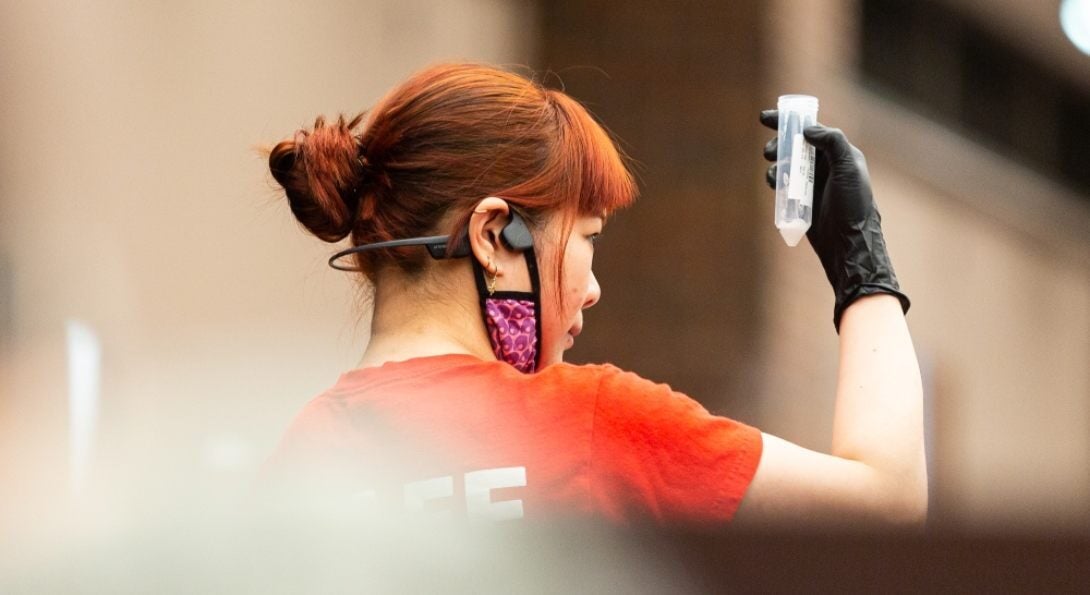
479,485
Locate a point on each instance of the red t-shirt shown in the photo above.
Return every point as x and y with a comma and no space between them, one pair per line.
456,435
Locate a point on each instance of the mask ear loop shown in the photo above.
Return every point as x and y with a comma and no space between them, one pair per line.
535,289
516,235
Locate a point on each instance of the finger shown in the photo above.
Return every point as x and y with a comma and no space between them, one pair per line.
771,148
770,176
829,140
771,118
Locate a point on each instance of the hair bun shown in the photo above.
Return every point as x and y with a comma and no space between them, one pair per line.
321,174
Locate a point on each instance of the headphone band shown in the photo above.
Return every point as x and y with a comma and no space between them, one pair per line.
516,234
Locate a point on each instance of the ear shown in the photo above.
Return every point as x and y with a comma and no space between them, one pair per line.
485,226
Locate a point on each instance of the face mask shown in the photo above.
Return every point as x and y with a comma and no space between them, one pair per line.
512,318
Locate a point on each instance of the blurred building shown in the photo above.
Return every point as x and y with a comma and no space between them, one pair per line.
138,222
965,111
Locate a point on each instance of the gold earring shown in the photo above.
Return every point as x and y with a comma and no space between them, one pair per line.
491,284
493,270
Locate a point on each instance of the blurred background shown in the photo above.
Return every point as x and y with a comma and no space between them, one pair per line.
162,317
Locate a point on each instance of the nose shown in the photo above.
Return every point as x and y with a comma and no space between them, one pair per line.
594,292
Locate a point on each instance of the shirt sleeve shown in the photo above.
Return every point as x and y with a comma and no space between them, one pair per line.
658,454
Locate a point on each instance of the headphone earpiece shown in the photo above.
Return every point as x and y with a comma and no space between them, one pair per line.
516,234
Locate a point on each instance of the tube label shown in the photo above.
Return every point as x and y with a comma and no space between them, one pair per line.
800,181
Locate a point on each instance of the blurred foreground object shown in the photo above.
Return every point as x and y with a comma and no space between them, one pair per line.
1075,20
253,554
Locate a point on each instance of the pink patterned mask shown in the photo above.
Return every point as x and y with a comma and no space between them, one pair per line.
512,330
512,319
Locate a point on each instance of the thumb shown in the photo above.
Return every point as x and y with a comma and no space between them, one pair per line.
830,141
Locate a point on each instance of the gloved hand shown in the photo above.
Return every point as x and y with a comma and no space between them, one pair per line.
846,231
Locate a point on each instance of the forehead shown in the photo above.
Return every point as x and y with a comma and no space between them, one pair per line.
591,219
580,219
557,228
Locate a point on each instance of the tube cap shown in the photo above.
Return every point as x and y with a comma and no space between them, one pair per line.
797,103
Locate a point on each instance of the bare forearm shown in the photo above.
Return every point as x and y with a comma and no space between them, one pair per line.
879,401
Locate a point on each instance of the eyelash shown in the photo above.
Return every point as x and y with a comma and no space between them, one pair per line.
594,238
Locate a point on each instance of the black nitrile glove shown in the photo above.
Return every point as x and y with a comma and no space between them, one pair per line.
846,231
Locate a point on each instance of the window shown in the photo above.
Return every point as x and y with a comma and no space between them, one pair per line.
934,60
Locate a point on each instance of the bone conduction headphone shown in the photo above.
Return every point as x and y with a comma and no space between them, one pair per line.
515,234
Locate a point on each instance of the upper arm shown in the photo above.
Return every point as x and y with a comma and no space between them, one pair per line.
797,486
657,452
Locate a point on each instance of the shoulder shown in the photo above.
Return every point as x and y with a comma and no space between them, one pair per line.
614,386
606,382
658,451
621,392
595,373
628,402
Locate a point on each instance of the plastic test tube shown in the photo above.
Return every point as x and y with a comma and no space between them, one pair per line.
795,167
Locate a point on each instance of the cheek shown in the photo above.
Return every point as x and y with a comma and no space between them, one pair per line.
577,281
554,330
575,292
558,316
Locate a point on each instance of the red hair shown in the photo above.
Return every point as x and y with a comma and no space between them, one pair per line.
437,144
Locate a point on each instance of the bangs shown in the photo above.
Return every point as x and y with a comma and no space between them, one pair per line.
598,174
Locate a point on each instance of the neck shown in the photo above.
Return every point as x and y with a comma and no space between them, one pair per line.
410,321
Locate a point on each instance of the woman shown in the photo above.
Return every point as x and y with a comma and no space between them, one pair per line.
473,198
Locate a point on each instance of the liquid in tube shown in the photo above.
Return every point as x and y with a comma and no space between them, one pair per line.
795,167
